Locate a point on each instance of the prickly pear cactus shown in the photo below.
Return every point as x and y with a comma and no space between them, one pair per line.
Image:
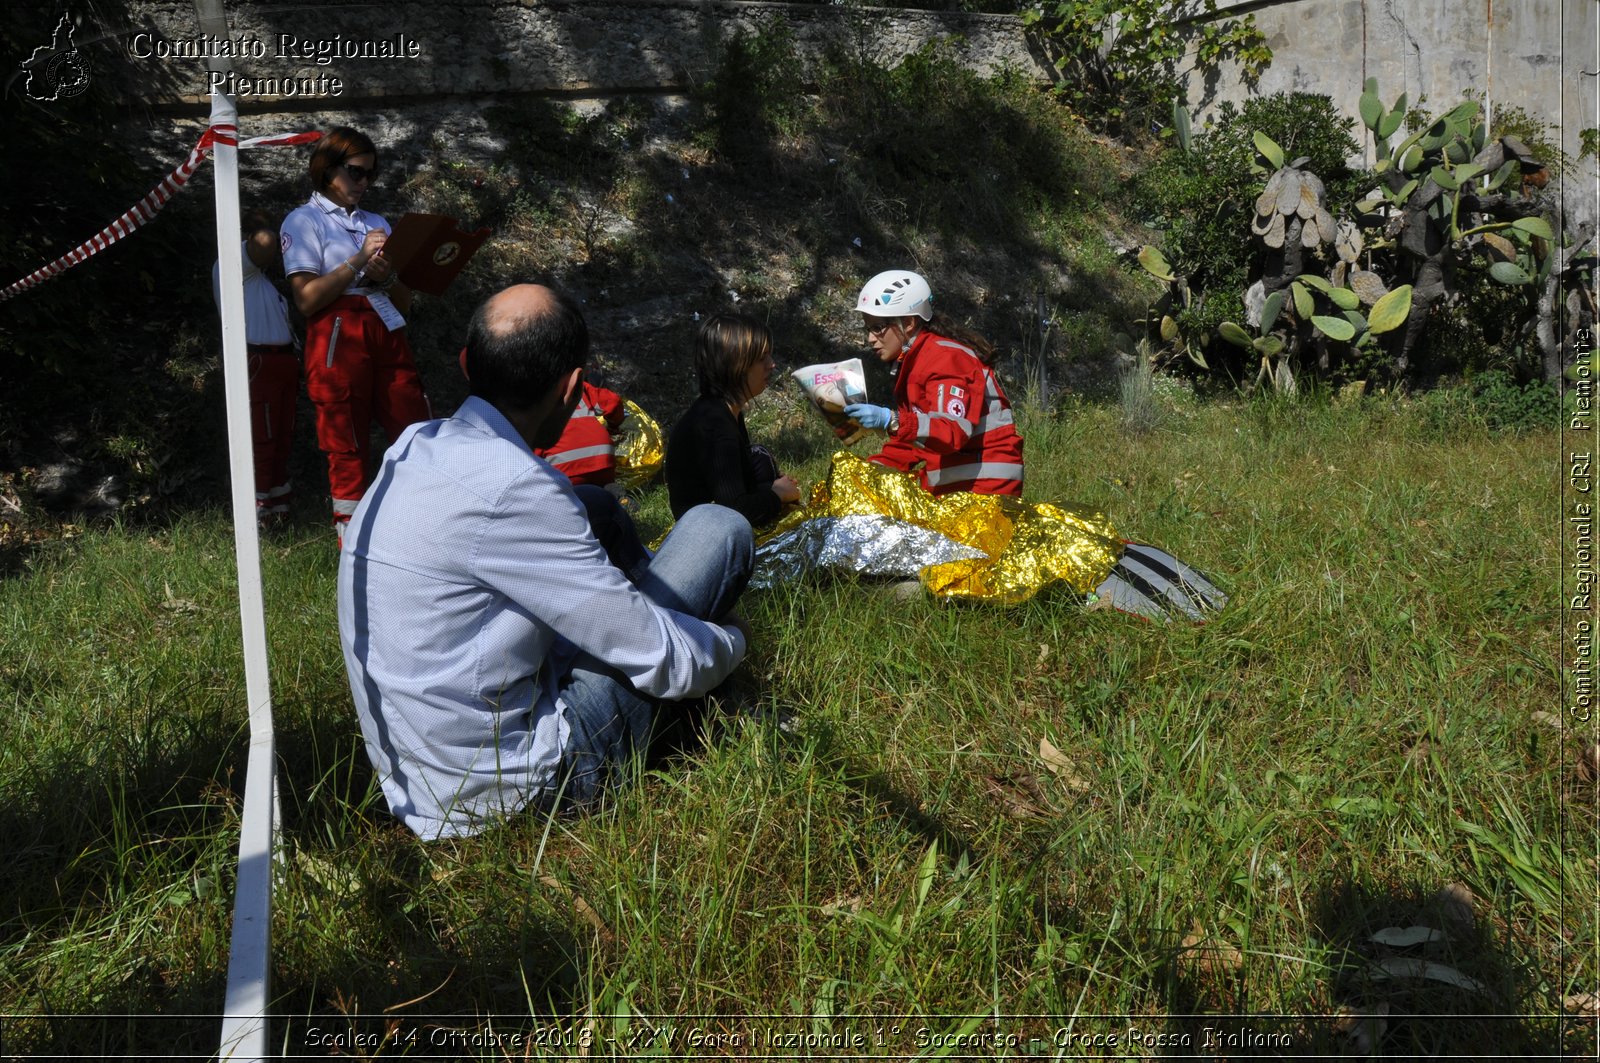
1443,205
1294,206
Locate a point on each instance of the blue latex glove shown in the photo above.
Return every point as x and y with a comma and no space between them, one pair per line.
869,416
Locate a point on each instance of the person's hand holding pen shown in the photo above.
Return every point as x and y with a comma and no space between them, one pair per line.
377,268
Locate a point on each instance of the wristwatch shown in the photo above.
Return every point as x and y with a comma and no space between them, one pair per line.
894,423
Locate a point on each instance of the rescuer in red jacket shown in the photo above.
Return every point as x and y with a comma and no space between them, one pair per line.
586,453
952,424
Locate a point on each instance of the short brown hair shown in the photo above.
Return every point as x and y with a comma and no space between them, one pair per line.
253,221
728,346
337,145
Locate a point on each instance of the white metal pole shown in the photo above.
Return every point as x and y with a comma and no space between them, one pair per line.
244,1020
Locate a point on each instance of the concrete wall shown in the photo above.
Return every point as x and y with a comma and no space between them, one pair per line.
1526,53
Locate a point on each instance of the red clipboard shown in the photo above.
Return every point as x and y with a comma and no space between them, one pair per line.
428,250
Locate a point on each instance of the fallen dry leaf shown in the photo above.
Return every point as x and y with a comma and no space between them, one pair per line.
178,605
1204,956
584,909
1455,903
1409,967
1061,766
1589,763
1586,1005
1548,719
335,878
845,905
1363,1028
1407,937
1421,750
1018,795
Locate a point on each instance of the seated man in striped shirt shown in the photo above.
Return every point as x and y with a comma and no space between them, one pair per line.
497,657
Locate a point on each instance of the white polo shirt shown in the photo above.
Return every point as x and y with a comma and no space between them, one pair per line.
319,236
266,314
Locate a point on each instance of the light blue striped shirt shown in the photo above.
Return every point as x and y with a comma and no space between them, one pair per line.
468,575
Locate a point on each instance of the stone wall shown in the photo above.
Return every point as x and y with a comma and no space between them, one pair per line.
568,47
440,66
441,63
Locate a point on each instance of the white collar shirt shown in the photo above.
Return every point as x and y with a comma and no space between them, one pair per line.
266,314
319,236
468,575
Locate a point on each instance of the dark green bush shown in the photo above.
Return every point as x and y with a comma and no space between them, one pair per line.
926,144
1484,330
1201,200
1507,405
934,144
1494,401
755,94
1122,62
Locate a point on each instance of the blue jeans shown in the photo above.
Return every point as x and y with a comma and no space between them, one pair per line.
701,570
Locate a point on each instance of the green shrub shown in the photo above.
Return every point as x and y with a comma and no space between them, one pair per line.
1484,330
1119,59
754,94
929,142
1202,200
1493,401
1542,138
1505,405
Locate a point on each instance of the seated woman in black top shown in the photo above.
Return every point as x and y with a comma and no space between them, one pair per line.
708,453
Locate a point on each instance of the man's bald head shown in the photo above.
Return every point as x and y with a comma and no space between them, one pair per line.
521,343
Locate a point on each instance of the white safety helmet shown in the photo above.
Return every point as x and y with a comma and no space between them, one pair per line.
896,293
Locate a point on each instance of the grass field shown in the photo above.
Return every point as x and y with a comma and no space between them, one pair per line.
975,821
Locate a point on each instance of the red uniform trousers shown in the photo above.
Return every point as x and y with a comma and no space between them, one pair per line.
274,387
357,369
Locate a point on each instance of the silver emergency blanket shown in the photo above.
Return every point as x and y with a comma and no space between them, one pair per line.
870,545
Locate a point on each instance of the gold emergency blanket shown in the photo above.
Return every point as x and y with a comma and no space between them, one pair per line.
993,548
639,451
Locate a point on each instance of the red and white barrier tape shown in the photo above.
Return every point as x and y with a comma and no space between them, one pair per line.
144,210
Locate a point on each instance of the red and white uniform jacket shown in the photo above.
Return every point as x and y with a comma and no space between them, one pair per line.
956,429
585,453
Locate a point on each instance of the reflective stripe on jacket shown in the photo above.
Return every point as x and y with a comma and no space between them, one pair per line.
956,429
585,453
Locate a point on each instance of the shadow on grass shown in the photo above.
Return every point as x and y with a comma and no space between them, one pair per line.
1428,1015
879,790
81,845
1463,994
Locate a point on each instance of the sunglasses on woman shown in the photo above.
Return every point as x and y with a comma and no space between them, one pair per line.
359,173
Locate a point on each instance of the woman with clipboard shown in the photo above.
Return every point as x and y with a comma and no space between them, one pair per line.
358,362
